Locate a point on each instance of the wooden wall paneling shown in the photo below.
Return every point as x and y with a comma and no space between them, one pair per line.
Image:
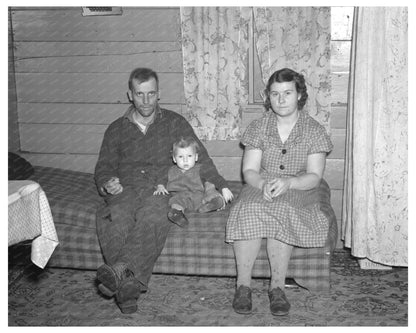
339,91
338,118
13,126
97,57
70,113
89,87
76,162
228,167
338,140
336,202
334,173
26,49
225,148
62,138
67,24
77,113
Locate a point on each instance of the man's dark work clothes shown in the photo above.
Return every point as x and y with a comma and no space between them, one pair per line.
132,226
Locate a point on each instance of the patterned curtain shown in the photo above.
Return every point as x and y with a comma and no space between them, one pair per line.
375,204
298,38
215,50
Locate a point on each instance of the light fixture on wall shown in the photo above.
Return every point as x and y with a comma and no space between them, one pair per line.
100,11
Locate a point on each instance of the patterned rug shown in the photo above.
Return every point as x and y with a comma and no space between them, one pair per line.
65,297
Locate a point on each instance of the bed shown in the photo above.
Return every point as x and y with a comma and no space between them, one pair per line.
199,249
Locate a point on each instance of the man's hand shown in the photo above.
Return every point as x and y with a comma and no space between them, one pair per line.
113,186
161,189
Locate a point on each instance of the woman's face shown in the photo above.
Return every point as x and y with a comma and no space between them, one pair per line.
284,98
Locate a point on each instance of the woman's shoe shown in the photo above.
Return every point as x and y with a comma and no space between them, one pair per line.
242,303
279,305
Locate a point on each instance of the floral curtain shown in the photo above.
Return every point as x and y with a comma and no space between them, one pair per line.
298,38
375,204
215,50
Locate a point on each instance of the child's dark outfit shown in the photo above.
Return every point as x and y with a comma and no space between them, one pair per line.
188,191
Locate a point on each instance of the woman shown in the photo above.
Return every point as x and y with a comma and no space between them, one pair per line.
285,154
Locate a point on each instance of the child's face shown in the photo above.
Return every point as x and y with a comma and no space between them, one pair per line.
185,158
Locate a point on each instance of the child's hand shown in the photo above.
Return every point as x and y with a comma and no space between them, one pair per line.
161,189
227,194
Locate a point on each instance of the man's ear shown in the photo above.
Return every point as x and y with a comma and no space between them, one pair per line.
129,96
174,159
158,94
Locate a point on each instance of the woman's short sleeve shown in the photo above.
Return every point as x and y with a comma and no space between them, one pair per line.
320,141
252,137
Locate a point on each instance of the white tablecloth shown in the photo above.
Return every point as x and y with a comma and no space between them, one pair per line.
30,218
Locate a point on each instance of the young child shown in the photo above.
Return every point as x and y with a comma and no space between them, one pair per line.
187,183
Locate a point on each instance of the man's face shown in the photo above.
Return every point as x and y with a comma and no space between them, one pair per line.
185,158
144,96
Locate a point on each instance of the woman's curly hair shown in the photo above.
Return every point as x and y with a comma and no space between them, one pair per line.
287,75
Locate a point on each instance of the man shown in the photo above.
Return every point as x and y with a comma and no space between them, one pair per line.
135,155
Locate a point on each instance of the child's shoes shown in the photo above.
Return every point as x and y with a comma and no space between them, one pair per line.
178,217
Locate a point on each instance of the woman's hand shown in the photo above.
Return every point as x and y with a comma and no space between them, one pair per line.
267,194
275,187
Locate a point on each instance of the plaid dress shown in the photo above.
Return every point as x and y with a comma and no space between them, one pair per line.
295,216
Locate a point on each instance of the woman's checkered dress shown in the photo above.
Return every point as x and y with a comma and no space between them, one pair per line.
293,217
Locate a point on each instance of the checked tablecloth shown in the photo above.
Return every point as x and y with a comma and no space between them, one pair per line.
30,218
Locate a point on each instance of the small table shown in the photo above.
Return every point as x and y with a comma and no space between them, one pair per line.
30,217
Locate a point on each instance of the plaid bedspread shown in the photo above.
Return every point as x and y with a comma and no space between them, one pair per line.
199,249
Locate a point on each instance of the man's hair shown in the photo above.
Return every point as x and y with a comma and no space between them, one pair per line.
185,142
142,75
287,75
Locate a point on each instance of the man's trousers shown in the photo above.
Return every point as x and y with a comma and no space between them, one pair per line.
132,228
